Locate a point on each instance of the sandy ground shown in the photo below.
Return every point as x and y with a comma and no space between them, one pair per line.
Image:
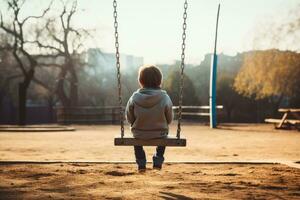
174,181
229,143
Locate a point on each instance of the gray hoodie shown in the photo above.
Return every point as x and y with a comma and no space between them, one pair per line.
149,111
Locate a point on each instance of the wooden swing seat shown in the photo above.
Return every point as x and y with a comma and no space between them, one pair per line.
128,140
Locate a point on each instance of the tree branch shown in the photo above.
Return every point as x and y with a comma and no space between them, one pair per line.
15,49
44,85
6,29
48,55
40,16
53,35
46,46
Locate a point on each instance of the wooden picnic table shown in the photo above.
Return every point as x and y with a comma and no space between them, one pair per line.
286,121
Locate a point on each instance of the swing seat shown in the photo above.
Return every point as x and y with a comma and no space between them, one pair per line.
128,140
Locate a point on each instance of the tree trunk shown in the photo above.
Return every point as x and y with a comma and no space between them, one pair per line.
61,90
22,104
50,101
23,87
70,100
74,88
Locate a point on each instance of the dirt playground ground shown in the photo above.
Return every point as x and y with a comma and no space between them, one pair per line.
230,143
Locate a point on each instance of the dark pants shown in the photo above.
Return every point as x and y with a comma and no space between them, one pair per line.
140,156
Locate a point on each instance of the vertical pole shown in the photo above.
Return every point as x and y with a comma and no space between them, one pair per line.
212,95
213,80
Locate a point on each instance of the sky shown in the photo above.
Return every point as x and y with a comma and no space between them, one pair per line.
152,29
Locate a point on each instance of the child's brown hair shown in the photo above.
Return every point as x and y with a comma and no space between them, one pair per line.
150,76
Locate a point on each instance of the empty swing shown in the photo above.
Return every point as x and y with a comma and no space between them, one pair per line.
127,140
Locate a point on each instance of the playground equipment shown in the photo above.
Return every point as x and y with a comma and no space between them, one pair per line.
170,140
213,80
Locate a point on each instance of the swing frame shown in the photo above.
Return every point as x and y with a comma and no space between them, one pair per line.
170,140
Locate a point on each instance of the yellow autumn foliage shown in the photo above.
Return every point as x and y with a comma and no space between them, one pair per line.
269,73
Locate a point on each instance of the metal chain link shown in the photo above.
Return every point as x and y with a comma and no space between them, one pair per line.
182,69
118,67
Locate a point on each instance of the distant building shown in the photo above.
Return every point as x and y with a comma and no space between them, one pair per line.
226,63
106,62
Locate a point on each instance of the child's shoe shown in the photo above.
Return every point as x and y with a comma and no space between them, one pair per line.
158,167
142,169
157,162
141,163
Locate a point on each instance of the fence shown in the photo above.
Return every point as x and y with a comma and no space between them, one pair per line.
195,112
88,115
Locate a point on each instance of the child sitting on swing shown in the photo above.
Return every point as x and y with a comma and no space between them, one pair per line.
149,112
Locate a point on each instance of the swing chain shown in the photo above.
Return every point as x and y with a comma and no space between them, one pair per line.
182,69
182,66
118,65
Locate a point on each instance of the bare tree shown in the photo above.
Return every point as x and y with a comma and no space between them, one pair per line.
60,41
25,60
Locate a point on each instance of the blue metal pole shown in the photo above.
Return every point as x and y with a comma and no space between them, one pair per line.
212,95
213,80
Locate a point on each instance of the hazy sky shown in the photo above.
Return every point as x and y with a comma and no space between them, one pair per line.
153,29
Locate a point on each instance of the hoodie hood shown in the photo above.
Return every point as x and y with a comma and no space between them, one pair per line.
148,97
